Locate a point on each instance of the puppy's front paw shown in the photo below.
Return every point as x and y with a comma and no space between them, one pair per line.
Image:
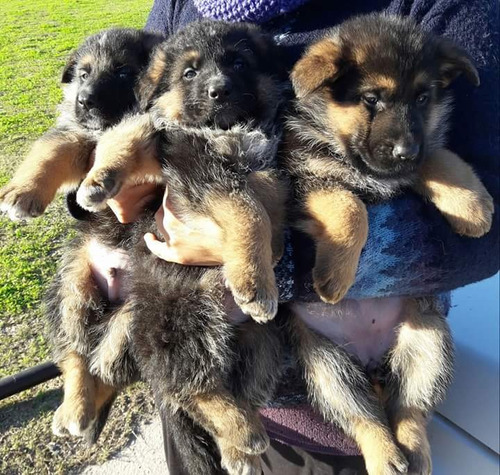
73,419
97,188
472,214
331,280
21,203
260,303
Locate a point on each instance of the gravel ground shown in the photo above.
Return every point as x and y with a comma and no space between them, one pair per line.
144,455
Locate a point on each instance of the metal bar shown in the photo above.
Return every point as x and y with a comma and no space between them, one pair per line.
27,379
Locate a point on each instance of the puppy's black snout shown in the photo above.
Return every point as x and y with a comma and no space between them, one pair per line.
219,89
406,150
86,99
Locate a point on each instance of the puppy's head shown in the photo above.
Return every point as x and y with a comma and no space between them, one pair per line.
377,86
213,74
101,75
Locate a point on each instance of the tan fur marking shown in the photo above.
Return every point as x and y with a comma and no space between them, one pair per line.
237,426
54,162
157,66
87,61
379,450
346,120
339,226
451,184
315,67
272,194
410,429
78,407
248,256
126,153
381,81
170,104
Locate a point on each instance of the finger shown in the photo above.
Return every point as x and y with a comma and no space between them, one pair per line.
158,248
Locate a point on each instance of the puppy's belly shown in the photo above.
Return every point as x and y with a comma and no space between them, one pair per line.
364,328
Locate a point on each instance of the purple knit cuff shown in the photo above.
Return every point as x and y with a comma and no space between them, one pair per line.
301,427
255,11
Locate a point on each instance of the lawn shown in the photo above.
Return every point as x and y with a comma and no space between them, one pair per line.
36,37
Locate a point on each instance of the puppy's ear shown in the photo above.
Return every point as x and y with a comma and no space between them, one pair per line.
69,69
149,80
454,61
320,63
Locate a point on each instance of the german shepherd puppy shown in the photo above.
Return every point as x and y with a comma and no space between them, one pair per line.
98,80
212,97
368,123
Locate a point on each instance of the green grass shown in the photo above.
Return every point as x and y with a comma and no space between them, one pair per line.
36,38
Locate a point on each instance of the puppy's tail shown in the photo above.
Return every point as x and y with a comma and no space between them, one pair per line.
188,446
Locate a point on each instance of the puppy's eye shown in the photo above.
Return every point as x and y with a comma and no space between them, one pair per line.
238,64
422,99
369,98
190,73
84,75
124,73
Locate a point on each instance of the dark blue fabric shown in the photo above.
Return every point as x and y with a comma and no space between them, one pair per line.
411,249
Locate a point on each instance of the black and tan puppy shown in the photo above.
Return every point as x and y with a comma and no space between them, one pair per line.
368,123
212,97
98,80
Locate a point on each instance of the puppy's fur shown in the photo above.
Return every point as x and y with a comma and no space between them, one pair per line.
213,141
99,80
368,122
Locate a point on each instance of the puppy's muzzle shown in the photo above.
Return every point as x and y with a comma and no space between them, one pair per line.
86,99
220,89
406,150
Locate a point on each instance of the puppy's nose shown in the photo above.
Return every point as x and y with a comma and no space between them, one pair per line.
86,99
406,151
219,89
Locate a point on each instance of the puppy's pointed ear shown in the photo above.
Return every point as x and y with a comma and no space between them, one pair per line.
320,63
149,80
454,61
69,69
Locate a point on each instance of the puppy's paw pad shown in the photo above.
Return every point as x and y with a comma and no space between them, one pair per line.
262,306
20,204
93,194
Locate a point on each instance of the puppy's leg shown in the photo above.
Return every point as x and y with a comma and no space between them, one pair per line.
338,223
451,184
340,390
236,428
58,159
248,256
272,193
125,153
421,365
78,408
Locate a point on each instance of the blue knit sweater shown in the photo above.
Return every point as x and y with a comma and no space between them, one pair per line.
411,249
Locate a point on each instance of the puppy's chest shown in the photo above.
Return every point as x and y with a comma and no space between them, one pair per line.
203,159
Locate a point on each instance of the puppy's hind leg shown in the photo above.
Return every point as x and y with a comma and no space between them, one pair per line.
420,367
340,390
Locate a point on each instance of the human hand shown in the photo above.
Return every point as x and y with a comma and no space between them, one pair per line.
198,243
130,201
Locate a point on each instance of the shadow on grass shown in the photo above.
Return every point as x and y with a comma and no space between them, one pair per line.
18,413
